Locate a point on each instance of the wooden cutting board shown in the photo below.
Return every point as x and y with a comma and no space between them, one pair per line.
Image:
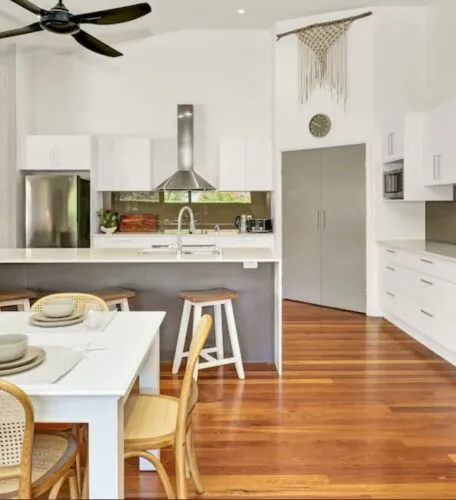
139,223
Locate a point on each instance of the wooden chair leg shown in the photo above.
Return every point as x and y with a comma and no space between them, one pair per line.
74,490
162,474
70,476
192,462
181,480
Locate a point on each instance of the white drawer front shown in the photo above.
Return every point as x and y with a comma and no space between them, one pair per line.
394,256
388,302
440,268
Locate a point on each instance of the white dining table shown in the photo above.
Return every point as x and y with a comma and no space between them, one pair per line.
95,391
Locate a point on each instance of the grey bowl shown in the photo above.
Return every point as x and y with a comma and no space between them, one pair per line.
12,347
59,308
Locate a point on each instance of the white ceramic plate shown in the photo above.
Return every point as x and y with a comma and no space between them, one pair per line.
55,324
41,318
40,356
31,353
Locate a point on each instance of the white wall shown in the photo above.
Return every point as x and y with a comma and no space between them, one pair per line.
228,73
379,49
441,63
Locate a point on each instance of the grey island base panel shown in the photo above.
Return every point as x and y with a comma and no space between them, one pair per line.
157,285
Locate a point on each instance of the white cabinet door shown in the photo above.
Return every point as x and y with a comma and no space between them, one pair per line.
124,164
259,165
232,176
73,152
165,159
40,153
58,152
393,140
440,147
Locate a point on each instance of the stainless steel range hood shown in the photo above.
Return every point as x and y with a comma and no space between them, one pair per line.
185,179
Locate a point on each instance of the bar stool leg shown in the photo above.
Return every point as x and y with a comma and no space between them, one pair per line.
24,305
178,355
218,331
234,339
197,313
124,305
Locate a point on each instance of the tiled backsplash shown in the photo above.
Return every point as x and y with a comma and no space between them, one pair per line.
219,208
441,221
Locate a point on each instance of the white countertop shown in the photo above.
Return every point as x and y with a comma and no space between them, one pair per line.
211,234
444,250
114,255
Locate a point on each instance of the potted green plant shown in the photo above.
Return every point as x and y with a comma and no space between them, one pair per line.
109,221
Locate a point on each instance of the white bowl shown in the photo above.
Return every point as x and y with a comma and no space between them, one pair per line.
12,346
59,308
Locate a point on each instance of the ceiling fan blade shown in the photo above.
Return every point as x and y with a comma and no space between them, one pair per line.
115,16
33,28
30,6
95,45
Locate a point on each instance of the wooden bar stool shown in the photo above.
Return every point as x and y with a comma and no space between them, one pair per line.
117,297
18,298
216,299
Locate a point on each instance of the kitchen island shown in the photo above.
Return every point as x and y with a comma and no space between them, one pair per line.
157,276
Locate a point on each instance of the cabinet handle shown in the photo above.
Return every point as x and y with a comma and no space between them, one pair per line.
323,219
318,220
390,294
439,164
390,251
390,268
425,261
426,282
392,143
434,170
429,315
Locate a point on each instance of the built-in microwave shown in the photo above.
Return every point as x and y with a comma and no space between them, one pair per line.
393,184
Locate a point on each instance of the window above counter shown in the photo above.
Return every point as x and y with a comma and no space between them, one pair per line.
211,208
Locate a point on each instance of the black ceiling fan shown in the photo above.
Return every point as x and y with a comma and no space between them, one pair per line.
61,21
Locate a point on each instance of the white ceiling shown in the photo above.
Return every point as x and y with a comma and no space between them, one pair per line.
172,15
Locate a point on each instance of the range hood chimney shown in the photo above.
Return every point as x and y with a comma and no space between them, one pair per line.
185,179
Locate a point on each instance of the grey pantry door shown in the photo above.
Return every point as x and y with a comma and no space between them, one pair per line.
324,227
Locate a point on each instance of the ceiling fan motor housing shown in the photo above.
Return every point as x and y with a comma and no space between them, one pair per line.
59,20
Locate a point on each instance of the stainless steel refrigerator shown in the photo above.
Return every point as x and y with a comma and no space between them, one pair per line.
57,212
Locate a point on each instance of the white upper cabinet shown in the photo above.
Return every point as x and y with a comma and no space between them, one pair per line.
246,165
58,152
439,166
124,164
415,188
393,140
233,164
259,172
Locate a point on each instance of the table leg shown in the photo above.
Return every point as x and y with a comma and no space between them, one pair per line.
106,450
149,383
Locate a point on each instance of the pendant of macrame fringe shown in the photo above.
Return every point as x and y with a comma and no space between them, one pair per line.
323,61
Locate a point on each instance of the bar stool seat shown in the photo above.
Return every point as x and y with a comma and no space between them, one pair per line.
216,298
198,296
17,298
115,297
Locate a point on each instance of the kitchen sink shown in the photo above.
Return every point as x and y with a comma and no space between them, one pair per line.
186,251
201,250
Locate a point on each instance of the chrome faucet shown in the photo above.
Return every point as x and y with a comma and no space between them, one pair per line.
179,226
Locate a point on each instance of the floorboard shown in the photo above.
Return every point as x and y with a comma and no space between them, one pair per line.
362,412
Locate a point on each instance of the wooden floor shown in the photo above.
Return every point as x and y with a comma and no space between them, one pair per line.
362,411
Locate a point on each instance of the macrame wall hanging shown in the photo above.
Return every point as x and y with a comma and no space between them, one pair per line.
323,57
